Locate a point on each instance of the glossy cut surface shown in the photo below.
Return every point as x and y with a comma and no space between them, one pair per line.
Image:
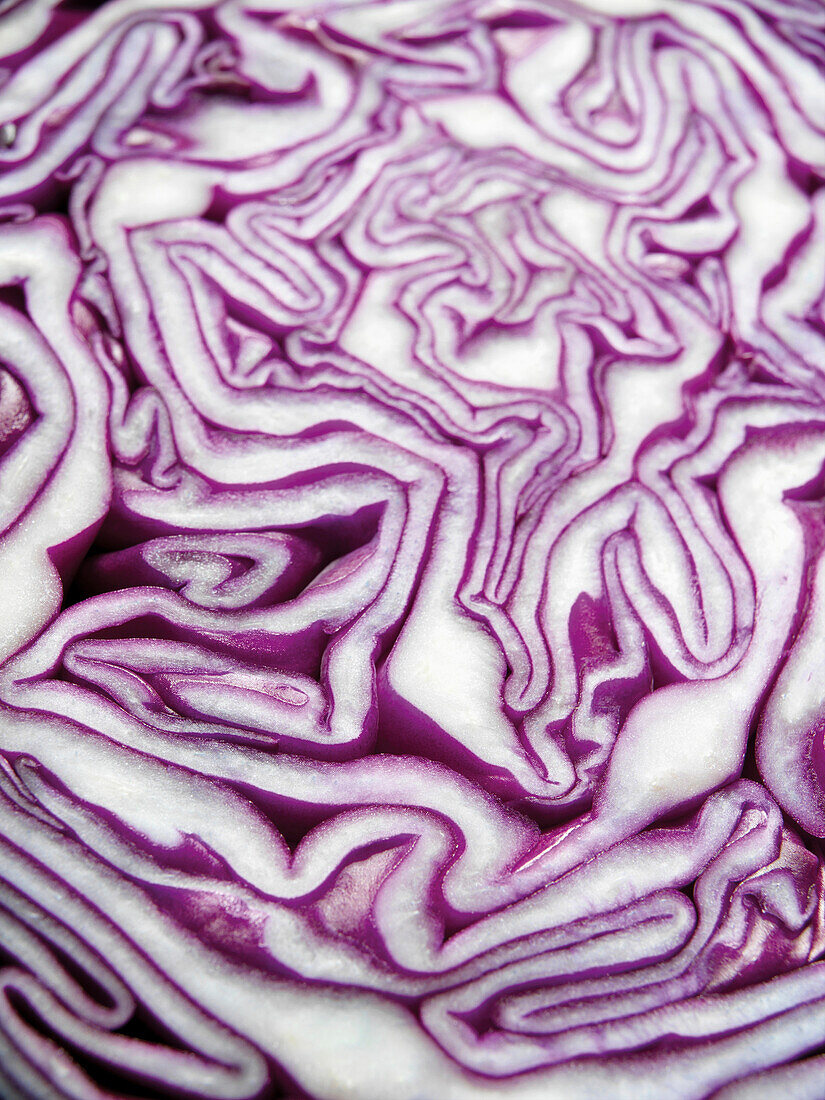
412,549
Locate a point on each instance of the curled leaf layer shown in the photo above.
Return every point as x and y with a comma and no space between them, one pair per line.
412,435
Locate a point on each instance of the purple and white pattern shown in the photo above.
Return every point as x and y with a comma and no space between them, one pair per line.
412,549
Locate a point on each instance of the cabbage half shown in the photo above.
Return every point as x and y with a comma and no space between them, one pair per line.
412,549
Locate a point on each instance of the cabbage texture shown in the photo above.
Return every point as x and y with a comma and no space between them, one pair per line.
412,549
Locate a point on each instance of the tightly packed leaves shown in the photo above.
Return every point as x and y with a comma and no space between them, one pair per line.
412,558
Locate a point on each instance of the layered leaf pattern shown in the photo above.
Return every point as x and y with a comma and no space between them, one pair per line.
412,435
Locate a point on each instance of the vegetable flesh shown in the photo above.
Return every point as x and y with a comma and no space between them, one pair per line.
412,433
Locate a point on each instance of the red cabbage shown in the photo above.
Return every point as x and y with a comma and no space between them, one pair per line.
412,558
